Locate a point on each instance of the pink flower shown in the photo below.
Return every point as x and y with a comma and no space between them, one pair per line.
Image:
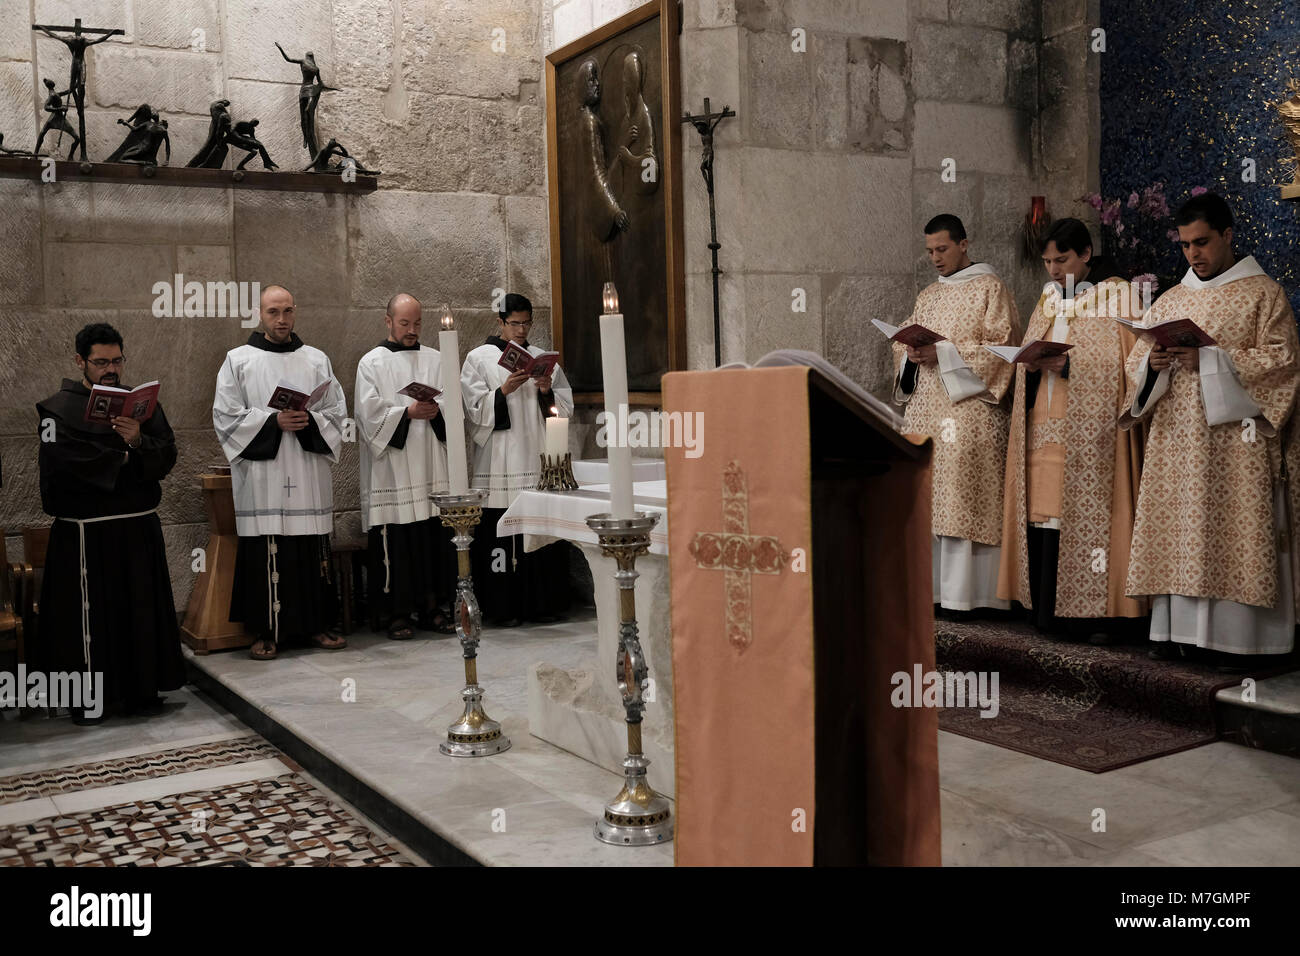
1132,200
1172,234
1093,200
1119,228
1146,278
1199,190
1110,215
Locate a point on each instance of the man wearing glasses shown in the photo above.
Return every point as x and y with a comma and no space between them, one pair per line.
506,412
106,600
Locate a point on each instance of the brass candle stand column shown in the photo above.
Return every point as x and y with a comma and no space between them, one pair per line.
557,473
474,734
638,816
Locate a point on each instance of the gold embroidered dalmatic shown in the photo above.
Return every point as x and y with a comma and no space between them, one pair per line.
1068,460
970,436
1205,515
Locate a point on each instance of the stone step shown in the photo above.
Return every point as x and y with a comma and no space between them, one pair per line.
1271,721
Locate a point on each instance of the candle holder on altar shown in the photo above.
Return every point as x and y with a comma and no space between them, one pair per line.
557,473
638,816
474,733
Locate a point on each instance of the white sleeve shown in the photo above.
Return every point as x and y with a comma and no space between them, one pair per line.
235,422
958,380
480,402
377,416
1224,397
329,415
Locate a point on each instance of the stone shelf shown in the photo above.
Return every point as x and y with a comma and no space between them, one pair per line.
27,167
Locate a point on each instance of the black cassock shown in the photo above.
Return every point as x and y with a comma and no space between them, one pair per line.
87,472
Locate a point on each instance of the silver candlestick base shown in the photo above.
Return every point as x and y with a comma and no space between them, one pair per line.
638,815
474,733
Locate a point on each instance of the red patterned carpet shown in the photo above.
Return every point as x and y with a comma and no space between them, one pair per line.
1094,708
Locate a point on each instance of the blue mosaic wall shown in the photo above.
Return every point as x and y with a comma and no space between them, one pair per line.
1186,94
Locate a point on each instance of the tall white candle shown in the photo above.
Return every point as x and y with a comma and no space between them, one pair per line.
557,436
613,363
453,412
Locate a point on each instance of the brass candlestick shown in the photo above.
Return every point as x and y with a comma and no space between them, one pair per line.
638,816
557,473
474,733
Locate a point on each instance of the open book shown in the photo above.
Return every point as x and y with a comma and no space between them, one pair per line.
915,335
1172,333
107,402
879,409
1031,351
419,392
288,397
516,358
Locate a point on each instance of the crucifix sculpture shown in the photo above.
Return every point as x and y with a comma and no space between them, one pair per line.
738,554
77,45
705,124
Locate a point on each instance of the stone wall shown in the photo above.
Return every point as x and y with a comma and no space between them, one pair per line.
848,110
454,120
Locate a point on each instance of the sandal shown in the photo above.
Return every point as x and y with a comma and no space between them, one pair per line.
320,640
400,629
442,622
263,650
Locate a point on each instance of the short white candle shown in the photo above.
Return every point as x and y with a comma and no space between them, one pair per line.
557,437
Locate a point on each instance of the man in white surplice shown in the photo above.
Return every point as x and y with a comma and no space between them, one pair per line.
506,413
403,461
1214,520
280,471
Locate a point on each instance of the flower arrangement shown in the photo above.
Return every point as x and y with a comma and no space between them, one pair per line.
1136,230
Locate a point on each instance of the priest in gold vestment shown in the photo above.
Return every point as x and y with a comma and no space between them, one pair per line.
1072,474
1213,526
954,391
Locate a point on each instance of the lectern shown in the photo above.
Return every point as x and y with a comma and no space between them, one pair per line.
799,549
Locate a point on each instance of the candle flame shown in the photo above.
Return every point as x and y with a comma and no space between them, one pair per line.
554,410
609,298
447,322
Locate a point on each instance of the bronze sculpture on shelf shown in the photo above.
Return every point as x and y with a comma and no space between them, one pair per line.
308,96
321,162
243,135
212,154
77,45
58,120
147,134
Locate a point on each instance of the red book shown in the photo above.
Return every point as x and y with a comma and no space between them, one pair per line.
1172,333
419,392
915,335
516,358
291,398
107,403
1031,351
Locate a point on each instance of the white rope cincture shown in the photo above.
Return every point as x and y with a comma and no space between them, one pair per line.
273,588
85,580
383,533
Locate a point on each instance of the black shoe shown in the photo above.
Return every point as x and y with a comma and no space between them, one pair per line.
1163,651
1102,639
544,619
150,708
509,622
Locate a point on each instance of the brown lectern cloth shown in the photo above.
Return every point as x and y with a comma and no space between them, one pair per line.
744,717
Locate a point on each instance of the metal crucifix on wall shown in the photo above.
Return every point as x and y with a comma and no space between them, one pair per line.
705,124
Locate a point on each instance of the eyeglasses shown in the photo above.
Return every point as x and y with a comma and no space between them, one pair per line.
107,363
520,325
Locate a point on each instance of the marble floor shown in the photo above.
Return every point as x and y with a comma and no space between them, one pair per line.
1220,804
190,787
